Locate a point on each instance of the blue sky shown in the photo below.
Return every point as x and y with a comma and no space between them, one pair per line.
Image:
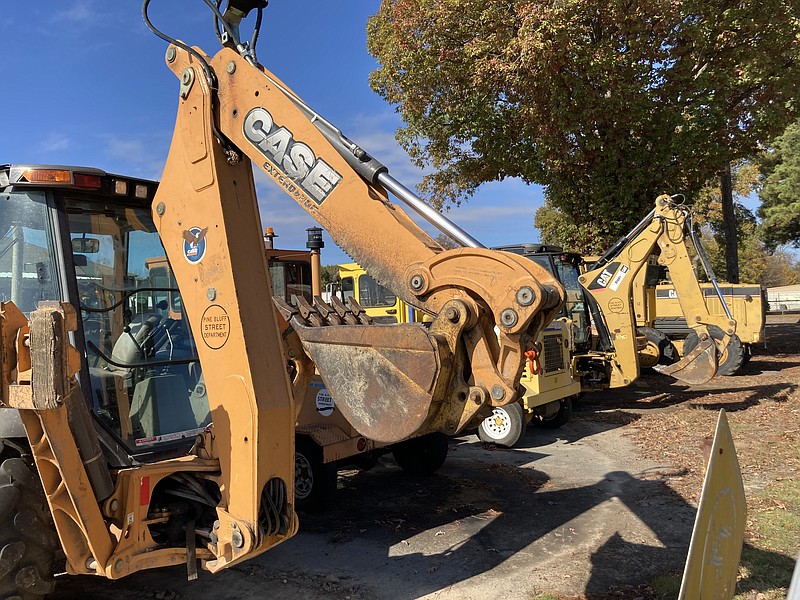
86,85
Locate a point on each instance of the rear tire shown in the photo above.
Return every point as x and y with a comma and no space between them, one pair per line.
314,481
504,427
559,419
422,455
659,350
28,539
733,358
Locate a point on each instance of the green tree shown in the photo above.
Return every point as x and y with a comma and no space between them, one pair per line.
329,274
780,193
757,265
558,228
605,104
446,242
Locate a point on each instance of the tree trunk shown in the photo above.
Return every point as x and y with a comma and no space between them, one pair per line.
729,225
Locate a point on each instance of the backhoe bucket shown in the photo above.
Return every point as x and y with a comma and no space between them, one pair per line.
381,377
388,381
698,366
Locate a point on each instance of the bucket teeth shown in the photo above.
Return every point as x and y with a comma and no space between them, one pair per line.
308,312
320,313
324,309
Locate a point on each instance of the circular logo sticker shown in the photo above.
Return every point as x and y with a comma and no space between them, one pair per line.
215,327
324,403
194,244
616,305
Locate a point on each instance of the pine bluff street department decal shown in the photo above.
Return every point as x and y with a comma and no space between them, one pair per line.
292,164
215,327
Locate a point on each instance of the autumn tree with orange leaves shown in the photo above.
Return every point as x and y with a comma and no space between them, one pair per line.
606,104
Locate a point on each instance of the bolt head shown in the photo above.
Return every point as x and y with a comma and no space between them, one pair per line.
171,54
211,294
114,505
476,396
452,314
417,282
498,393
525,296
237,538
509,317
231,68
160,208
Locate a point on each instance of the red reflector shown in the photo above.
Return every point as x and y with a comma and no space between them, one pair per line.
86,181
144,491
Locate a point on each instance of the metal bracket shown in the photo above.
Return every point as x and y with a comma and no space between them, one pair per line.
187,81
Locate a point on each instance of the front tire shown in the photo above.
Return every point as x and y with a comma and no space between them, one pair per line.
314,481
733,357
659,349
422,455
28,539
504,427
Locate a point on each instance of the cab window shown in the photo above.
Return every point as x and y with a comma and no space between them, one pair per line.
373,294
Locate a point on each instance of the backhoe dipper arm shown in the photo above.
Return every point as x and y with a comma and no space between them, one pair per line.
611,281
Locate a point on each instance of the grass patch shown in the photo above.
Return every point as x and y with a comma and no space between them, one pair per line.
765,572
667,586
776,518
768,562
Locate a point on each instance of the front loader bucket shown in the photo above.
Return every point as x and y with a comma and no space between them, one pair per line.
698,366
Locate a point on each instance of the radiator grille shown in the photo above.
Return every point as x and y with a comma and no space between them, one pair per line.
553,353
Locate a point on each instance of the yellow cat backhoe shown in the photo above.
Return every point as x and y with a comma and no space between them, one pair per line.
161,420
615,360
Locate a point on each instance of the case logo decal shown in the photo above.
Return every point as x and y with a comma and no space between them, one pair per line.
292,164
194,244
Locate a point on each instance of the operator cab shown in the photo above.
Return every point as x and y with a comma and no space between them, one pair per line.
86,237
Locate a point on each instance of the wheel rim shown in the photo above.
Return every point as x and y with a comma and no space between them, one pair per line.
303,476
649,355
498,425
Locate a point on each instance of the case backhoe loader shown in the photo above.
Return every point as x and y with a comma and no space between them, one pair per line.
162,440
